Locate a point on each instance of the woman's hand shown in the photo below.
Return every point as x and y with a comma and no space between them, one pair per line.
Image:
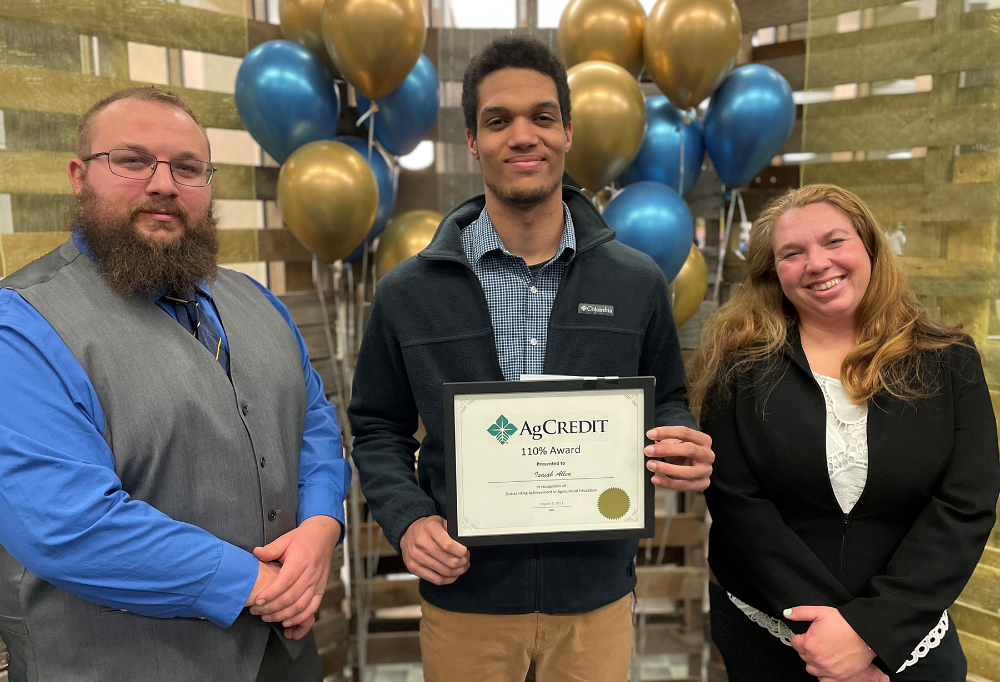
831,648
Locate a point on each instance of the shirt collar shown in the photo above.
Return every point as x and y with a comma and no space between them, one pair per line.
81,244
483,238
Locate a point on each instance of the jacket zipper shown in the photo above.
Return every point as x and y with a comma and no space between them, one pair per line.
536,565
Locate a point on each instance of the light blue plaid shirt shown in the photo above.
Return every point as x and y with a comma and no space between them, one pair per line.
519,303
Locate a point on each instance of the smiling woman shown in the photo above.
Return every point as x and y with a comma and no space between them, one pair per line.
856,476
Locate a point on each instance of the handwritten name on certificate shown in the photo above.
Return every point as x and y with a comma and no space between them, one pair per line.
549,462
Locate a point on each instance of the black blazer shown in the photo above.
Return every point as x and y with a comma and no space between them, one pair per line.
905,552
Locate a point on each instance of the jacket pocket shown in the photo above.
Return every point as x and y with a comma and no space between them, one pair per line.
13,625
593,350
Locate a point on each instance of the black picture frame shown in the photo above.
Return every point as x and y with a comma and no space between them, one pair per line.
647,384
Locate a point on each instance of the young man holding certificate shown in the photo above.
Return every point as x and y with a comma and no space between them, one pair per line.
527,279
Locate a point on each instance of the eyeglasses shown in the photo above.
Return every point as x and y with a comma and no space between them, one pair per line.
135,165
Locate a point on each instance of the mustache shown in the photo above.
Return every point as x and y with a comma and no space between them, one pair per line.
158,206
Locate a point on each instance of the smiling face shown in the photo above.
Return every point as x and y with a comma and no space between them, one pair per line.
822,264
520,141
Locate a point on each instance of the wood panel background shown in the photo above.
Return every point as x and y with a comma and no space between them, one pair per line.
947,195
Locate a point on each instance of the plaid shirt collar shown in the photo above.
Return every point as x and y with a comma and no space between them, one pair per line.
481,238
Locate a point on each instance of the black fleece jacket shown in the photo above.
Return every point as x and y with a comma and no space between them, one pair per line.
429,325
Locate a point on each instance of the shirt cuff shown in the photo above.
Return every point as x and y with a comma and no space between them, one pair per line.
226,593
317,500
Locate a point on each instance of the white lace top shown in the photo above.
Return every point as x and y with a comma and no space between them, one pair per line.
847,465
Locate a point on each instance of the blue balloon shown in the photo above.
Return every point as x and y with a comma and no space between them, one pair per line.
406,114
388,182
286,97
659,157
651,217
749,119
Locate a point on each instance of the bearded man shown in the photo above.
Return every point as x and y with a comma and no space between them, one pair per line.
171,474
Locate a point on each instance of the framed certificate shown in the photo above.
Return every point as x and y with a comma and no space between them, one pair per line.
548,461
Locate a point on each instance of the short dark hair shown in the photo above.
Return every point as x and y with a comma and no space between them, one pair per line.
512,52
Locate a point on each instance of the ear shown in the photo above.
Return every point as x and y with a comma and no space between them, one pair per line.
76,171
473,146
569,136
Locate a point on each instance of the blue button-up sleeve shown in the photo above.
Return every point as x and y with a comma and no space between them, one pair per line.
324,474
65,515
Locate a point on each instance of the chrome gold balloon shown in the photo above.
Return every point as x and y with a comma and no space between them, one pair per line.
608,30
689,286
609,121
374,44
407,235
328,197
690,46
300,23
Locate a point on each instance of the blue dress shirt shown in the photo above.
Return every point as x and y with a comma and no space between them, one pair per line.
64,513
519,300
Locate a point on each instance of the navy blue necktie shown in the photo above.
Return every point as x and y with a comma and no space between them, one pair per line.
193,318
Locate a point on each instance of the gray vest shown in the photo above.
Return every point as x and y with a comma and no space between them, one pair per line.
219,454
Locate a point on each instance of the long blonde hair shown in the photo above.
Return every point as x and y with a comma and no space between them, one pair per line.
892,330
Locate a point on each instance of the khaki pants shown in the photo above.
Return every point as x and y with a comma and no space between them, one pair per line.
584,647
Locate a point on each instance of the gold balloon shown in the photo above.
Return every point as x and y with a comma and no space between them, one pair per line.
609,121
690,46
374,43
609,30
328,197
300,23
406,236
689,286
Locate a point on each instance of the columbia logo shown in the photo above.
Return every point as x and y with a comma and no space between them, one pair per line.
596,309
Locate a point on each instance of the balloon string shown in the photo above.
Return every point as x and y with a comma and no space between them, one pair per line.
372,108
680,183
724,244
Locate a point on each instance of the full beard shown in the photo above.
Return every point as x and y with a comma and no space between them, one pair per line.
132,264
525,197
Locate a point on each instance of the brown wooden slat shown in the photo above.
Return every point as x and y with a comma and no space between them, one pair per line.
29,88
670,582
900,51
157,23
388,594
235,246
977,167
394,647
983,589
975,620
916,202
763,13
862,173
983,655
334,659
44,172
684,530
829,8
670,638
902,128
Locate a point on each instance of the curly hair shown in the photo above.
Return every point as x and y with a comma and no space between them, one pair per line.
512,52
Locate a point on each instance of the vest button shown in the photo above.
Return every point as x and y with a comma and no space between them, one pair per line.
272,515
262,460
245,409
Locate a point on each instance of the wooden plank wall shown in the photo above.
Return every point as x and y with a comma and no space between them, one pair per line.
947,194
